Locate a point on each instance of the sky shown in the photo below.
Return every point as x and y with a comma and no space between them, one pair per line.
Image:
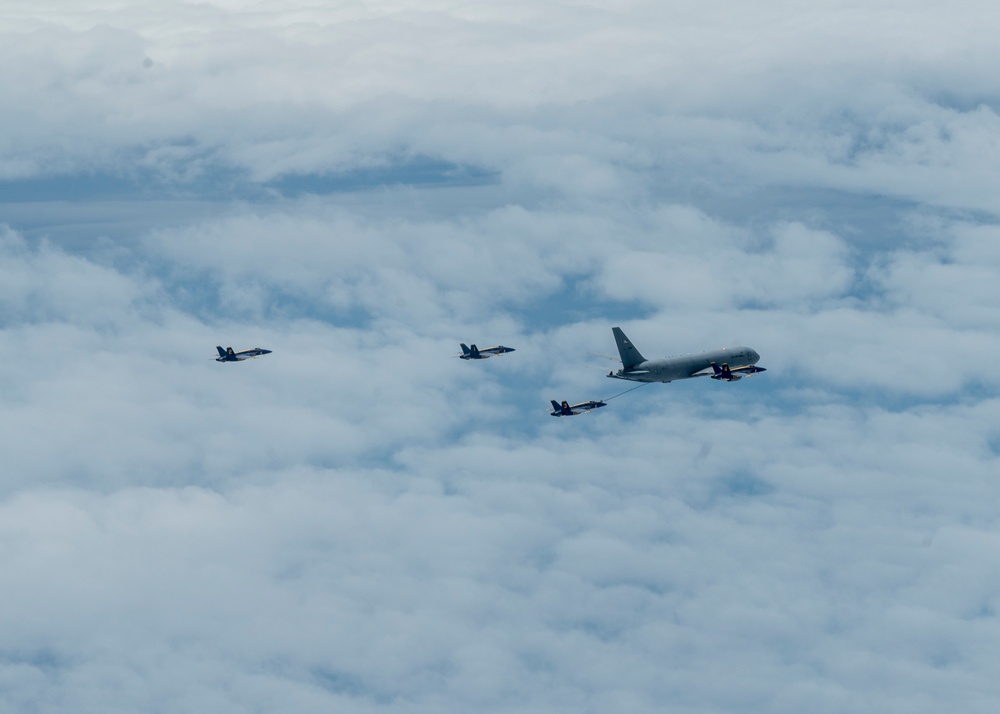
361,522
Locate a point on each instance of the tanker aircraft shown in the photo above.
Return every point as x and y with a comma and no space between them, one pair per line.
227,355
727,364
485,353
582,408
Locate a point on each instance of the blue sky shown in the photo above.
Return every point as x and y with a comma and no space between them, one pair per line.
360,521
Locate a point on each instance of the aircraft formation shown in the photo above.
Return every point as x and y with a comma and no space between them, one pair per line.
728,364
714,364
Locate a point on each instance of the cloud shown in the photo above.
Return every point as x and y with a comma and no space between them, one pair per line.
361,521
701,265
560,98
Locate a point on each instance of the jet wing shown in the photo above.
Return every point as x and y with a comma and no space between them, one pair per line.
748,371
744,371
635,376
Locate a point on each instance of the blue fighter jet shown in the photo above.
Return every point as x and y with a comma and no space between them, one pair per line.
485,353
227,355
582,408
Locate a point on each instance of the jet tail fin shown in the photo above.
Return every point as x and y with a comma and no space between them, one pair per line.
465,348
555,404
222,352
629,354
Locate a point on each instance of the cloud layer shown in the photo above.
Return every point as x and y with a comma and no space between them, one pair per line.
362,521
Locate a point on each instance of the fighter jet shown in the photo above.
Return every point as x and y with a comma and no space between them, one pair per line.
485,353
227,355
727,364
582,408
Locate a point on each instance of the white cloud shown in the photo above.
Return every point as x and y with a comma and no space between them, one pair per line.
790,94
46,284
701,265
361,521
